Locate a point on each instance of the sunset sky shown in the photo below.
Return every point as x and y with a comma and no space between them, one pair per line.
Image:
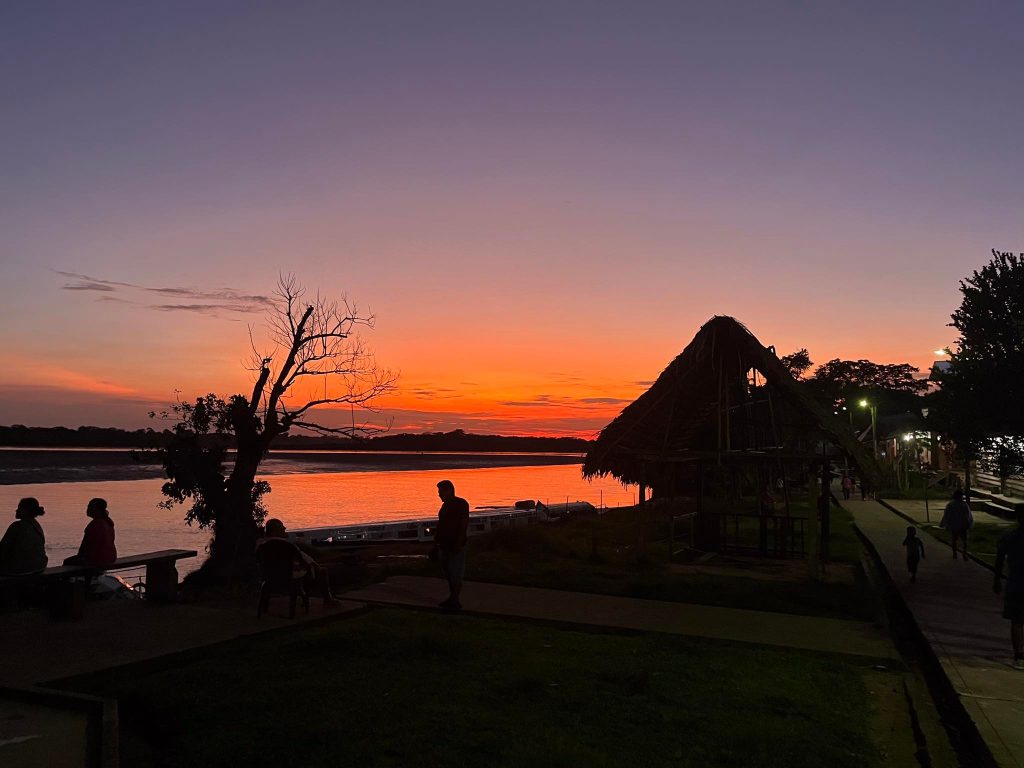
540,202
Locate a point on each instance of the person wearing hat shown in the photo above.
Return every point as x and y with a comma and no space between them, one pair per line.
97,547
23,547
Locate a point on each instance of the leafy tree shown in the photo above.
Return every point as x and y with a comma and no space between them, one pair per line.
316,361
987,364
194,459
892,388
866,375
797,363
978,404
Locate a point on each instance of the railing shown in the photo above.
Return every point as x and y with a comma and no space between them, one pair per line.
765,535
1014,484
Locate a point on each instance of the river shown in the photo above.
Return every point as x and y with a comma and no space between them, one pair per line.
305,498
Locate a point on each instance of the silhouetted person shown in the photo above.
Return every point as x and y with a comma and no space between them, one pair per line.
847,487
915,551
957,519
23,547
314,576
1011,547
450,541
767,499
97,548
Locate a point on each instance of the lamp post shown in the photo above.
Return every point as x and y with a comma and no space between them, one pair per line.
874,423
909,438
846,457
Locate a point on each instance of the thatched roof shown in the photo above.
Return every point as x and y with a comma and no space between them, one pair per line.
683,409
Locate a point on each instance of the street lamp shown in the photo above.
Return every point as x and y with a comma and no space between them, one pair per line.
907,438
874,425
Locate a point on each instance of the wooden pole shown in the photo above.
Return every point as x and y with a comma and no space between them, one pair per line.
826,507
813,558
927,516
643,485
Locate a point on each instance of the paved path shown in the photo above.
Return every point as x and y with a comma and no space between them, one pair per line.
761,627
956,610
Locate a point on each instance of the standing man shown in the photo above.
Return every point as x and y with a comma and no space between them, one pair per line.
1012,546
450,541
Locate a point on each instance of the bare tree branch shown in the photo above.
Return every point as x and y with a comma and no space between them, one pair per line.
314,342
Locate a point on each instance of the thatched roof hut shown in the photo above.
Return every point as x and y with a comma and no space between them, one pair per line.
708,402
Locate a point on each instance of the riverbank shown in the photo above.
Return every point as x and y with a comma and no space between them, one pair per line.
70,465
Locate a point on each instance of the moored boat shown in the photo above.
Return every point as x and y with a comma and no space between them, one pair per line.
482,520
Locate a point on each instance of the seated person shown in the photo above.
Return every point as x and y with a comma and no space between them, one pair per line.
23,547
314,576
97,548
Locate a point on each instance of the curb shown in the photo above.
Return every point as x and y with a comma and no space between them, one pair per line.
963,733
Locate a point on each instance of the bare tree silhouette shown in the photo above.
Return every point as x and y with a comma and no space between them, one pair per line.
314,363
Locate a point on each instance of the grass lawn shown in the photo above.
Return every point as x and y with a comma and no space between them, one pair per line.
394,688
561,557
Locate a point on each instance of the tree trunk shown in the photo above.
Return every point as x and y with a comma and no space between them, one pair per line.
232,557
967,480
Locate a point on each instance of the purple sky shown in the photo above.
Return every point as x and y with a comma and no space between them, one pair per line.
541,202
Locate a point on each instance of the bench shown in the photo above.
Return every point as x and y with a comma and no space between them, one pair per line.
161,572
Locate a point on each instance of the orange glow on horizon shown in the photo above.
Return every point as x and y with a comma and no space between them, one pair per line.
544,386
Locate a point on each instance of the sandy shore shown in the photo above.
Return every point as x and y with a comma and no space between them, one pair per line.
69,465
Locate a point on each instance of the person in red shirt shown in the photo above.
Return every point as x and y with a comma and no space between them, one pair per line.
97,548
450,541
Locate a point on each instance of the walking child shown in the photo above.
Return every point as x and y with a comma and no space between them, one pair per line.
915,551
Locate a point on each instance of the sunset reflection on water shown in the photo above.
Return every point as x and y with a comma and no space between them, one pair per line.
304,500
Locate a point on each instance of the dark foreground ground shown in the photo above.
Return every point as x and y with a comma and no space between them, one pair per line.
410,688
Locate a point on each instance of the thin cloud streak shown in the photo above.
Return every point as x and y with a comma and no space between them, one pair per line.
211,302
84,286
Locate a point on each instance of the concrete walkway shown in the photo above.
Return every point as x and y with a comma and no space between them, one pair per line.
960,617
760,627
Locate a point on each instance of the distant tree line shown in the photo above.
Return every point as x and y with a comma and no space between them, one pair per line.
456,440
20,436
